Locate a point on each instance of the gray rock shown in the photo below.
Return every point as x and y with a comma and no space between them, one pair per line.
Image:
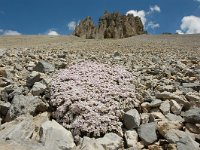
174,135
55,137
25,105
22,128
172,117
187,143
2,52
144,118
89,144
111,141
193,98
131,119
165,107
175,107
38,89
4,82
4,107
147,133
193,128
44,67
155,103
131,138
20,145
32,78
180,65
195,86
179,99
192,115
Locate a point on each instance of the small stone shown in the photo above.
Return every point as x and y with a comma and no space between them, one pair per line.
131,119
4,107
147,133
2,52
38,89
187,143
165,107
155,147
180,65
131,137
164,126
155,103
192,115
144,118
157,116
89,144
111,141
32,78
193,128
44,67
171,146
145,107
195,86
174,135
4,82
175,107
193,98
172,117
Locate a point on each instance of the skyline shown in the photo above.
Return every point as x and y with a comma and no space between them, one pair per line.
51,17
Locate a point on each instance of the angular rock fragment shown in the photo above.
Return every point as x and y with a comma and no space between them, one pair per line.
89,144
111,141
44,67
187,143
55,137
192,115
165,107
131,119
131,138
38,89
147,132
25,105
175,107
32,78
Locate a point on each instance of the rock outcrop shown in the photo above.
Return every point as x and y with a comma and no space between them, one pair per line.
111,25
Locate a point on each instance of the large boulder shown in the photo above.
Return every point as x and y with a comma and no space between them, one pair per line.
111,25
56,137
25,105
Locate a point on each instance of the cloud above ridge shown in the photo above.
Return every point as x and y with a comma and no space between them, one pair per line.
53,33
9,32
145,14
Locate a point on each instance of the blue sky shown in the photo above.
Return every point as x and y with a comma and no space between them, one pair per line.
44,16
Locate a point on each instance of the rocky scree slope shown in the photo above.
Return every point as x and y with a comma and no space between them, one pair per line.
166,83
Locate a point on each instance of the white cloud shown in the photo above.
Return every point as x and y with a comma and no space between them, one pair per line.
190,25
52,32
154,8
152,25
179,32
145,14
140,13
1,30
71,25
11,32
197,0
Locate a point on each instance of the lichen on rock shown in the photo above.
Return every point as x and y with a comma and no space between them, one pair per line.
90,98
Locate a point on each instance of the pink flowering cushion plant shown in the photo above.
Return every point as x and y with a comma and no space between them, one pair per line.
90,98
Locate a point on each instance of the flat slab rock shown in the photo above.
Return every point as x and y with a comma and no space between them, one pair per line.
147,133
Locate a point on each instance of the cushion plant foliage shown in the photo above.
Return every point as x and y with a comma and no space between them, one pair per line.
90,98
